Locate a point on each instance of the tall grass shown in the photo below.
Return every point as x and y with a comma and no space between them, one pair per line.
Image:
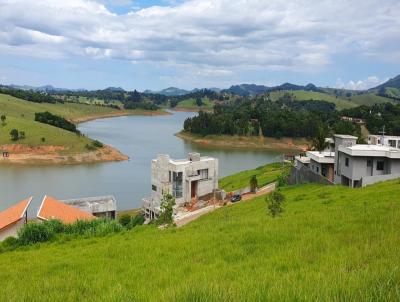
330,244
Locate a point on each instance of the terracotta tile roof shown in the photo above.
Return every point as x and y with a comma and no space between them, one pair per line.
14,213
52,208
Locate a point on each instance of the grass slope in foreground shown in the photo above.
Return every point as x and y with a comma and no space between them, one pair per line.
265,174
332,243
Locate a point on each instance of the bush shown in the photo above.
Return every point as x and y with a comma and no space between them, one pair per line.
14,134
55,226
275,202
136,220
33,233
124,220
10,243
97,144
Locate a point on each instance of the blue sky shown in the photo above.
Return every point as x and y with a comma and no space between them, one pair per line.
198,43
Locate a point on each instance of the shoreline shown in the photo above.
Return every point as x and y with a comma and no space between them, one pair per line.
191,109
245,142
121,113
50,155
53,155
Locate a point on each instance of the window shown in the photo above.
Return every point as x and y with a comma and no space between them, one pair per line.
392,143
177,184
369,163
203,173
317,169
347,162
380,165
154,188
169,176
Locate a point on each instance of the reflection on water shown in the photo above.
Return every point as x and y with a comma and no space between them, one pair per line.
141,138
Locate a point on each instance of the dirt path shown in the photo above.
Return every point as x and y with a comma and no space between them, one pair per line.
264,190
191,216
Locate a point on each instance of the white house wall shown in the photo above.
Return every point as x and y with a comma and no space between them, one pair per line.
12,230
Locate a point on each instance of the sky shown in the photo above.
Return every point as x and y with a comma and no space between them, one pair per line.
154,44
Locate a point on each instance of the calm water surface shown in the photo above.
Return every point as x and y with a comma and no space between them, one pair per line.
139,137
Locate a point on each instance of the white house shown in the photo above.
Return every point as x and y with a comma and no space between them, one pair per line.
185,179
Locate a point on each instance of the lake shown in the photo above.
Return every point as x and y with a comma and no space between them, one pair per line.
139,137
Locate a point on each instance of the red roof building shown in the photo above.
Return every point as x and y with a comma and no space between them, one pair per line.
12,219
52,208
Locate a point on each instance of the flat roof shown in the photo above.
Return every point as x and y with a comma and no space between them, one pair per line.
371,151
324,157
345,136
385,136
303,159
86,201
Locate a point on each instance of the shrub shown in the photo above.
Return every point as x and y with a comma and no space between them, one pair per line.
97,144
14,134
253,183
167,209
124,220
283,178
33,233
104,228
55,226
136,220
275,202
10,243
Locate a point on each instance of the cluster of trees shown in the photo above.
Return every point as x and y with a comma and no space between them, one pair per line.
377,116
29,95
15,135
55,120
285,117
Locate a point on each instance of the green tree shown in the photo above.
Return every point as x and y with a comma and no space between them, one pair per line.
22,134
319,142
199,102
3,119
253,183
14,134
275,203
167,209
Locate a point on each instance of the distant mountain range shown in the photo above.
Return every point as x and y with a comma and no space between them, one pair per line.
241,90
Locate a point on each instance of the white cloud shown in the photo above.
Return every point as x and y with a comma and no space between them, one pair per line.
370,82
215,36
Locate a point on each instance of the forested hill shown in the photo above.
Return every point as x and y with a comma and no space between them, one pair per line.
288,117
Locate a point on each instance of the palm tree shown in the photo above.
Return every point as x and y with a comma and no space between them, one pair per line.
319,142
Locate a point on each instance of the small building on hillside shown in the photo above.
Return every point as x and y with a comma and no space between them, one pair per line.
13,219
100,206
185,179
52,208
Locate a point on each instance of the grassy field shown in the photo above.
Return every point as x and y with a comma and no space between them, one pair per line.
369,99
191,104
308,95
331,244
265,175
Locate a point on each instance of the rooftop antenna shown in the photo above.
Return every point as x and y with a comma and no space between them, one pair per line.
383,135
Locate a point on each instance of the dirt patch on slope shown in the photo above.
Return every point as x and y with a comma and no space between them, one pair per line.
26,155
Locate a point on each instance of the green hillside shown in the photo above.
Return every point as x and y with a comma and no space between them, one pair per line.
265,174
370,99
20,115
191,104
331,244
340,103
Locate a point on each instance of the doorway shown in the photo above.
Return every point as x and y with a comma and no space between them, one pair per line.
193,189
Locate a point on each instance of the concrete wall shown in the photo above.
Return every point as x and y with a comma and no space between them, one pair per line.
369,180
358,168
305,175
12,230
337,166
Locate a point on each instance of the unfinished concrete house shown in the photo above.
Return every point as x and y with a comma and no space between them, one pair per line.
185,179
100,206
